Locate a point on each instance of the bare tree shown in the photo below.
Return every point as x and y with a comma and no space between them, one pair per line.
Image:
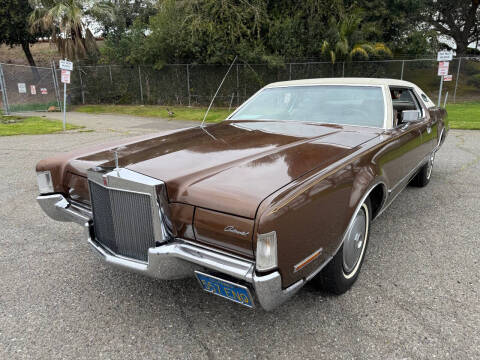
458,19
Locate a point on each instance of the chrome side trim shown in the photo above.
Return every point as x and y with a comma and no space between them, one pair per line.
58,208
439,142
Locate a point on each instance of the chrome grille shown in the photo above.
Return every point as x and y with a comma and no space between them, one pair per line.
122,221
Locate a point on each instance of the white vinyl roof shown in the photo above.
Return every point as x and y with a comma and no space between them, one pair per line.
343,81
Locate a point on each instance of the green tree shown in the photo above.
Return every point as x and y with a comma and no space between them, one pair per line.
268,31
14,27
125,13
346,38
392,20
65,20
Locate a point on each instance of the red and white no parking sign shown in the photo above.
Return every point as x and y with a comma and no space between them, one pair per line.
65,77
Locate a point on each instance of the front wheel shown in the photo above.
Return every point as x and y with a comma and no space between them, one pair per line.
342,271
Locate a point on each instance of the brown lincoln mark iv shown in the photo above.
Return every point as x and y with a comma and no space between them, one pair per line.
280,193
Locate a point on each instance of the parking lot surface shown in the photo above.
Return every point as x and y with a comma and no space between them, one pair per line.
417,296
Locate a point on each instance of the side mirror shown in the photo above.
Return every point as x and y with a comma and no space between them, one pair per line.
410,115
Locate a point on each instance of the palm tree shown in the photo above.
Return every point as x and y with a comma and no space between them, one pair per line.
346,39
65,20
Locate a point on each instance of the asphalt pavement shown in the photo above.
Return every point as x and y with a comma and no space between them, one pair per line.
417,296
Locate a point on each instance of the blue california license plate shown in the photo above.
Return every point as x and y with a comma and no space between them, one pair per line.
226,289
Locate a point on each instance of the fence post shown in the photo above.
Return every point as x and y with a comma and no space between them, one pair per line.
290,73
81,86
403,65
456,81
3,88
110,72
55,83
188,86
238,89
140,82
343,69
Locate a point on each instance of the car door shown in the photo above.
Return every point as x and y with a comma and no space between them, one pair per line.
428,127
403,151
430,134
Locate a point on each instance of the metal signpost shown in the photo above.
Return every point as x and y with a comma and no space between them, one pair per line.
67,67
443,58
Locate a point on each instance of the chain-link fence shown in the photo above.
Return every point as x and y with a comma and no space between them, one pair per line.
26,88
189,84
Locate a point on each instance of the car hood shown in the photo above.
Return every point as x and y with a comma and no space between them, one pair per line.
232,166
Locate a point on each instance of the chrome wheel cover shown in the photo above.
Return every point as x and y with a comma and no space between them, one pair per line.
355,241
430,165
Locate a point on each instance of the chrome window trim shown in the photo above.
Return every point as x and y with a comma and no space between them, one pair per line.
382,87
419,102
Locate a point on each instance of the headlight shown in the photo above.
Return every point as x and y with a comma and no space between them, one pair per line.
267,251
44,180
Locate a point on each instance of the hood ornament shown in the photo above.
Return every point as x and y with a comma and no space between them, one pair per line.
115,154
115,157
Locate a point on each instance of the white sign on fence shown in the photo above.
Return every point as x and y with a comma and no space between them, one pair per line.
447,77
22,88
33,90
443,68
445,55
44,91
66,65
65,78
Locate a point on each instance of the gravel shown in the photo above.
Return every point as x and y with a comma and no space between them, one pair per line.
417,296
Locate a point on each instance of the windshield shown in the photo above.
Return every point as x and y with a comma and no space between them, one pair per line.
332,104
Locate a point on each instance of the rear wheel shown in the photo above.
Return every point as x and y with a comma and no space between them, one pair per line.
423,177
342,271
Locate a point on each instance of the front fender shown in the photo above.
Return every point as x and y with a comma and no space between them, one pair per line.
312,215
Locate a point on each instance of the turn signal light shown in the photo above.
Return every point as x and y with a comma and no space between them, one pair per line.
44,180
267,251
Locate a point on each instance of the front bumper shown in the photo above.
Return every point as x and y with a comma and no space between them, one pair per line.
177,259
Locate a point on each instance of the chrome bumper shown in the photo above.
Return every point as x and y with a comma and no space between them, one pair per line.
177,259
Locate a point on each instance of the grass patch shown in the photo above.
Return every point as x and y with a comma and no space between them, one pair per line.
464,116
32,107
181,113
32,125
